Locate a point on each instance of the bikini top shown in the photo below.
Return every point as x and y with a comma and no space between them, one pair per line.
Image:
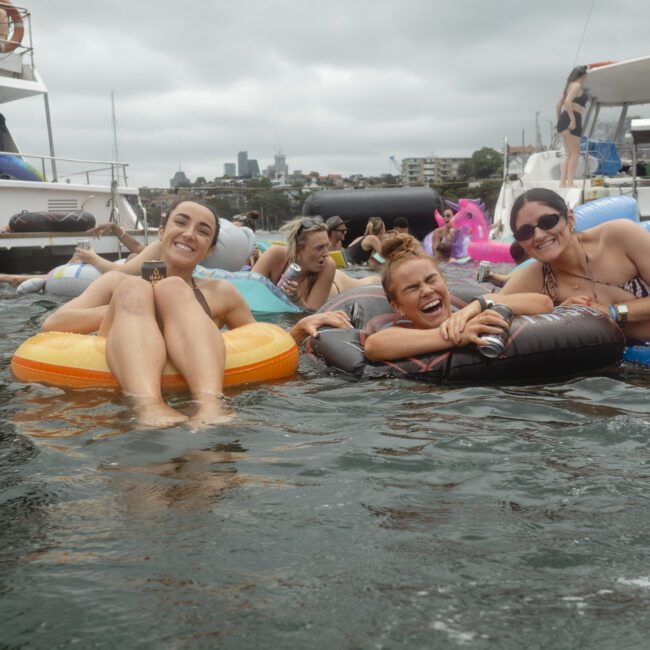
581,99
201,298
637,286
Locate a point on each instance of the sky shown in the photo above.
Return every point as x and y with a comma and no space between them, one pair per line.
337,86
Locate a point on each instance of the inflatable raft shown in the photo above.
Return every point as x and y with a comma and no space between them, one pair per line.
568,342
417,204
255,352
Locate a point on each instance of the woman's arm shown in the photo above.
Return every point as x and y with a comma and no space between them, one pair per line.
520,303
308,326
400,342
227,304
371,241
633,241
130,242
573,91
271,263
320,292
132,267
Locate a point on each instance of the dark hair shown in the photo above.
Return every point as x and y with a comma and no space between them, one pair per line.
574,75
519,255
541,195
247,219
175,204
401,222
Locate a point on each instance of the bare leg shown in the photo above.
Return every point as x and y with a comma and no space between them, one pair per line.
195,346
135,351
573,156
344,282
565,161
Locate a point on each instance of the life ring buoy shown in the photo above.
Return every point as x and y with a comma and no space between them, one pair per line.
254,352
15,168
569,341
9,45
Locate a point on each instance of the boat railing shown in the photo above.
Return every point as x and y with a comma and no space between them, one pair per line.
70,170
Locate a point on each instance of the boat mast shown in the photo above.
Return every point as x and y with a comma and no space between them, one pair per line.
117,155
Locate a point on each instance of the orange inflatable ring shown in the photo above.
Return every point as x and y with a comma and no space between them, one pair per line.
19,29
255,352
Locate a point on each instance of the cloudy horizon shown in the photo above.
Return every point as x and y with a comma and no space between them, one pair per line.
337,87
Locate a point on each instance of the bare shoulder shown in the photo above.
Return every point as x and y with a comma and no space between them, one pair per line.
525,279
220,290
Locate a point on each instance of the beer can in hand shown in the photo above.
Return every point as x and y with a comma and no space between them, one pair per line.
84,244
291,273
496,342
483,272
153,271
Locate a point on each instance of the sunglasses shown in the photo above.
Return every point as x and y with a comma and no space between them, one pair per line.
344,230
308,222
546,222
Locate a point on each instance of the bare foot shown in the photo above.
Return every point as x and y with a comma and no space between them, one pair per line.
211,409
156,415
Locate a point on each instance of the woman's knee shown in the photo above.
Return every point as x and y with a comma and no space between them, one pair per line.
133,294
172,292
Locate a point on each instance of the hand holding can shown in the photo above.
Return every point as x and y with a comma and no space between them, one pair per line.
495,343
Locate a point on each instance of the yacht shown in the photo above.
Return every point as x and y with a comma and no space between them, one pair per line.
614,146
33,183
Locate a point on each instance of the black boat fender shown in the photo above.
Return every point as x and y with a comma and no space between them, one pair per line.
73,221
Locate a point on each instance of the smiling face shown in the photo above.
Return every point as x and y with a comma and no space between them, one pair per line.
188,234
420,292
314,252
544,245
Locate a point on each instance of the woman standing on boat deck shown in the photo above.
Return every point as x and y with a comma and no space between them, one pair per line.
606,267
569,122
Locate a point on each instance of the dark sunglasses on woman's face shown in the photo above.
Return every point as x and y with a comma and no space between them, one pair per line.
546,222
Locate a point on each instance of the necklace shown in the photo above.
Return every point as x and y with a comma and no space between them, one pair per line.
589,273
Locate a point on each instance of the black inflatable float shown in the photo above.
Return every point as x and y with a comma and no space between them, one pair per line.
417,204
74,221
568,342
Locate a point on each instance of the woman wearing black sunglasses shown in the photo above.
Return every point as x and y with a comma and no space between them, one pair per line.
606,267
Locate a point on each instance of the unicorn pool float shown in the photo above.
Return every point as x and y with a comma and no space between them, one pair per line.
471,221
472,234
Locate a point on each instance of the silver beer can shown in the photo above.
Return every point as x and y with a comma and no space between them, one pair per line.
483,272
496,342
292,272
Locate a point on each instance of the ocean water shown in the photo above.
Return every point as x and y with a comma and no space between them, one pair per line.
329,514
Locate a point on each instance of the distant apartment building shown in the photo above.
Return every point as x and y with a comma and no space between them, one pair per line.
253,167
230,169
417,171
242,164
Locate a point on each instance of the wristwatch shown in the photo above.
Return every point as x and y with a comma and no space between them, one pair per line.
483,303
622,310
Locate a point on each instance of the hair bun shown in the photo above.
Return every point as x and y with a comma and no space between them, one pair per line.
399,245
